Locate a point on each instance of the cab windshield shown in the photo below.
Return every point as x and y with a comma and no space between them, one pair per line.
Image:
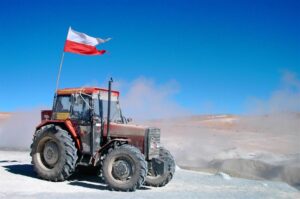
115,111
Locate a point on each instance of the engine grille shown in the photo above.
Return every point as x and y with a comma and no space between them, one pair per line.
152,142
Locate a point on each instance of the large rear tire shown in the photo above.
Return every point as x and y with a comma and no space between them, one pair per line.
54,153
161,180
124,168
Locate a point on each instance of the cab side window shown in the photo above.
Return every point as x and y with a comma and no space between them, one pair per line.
81,108
96,107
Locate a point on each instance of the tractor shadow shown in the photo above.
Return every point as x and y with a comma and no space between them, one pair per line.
87,180
90,179
21,169
77,179
82,179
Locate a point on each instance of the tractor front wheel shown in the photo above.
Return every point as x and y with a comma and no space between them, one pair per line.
124,168
54,153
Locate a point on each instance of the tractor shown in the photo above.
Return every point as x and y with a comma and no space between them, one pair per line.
86,128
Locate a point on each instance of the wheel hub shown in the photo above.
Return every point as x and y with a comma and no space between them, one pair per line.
50,153
121,169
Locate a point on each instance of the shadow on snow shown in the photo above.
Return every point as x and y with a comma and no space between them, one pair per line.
84,179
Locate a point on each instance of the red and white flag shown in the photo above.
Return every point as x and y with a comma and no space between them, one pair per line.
83,44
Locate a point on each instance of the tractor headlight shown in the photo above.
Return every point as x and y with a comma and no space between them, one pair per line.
152,143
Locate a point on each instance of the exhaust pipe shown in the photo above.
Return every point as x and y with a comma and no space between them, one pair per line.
108,109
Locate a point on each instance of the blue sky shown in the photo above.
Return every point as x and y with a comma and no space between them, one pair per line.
220,53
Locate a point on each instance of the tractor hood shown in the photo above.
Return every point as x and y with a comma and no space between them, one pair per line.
147,139
125,130
137,135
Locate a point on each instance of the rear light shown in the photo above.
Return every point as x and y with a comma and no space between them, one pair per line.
46,115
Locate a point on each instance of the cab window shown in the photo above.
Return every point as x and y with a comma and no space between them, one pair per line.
81,108
96,107
115,111
63,104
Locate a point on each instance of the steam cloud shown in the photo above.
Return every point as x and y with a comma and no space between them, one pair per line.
17,131
146,100
263,144
285,99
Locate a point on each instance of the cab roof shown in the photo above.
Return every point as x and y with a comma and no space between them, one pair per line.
86,90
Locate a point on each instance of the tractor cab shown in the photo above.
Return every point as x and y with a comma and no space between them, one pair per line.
83,103
87,109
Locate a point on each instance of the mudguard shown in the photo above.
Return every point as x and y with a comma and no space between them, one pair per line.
67,125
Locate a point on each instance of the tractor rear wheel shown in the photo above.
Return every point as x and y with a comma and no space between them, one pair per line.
161,180
124,168
54,153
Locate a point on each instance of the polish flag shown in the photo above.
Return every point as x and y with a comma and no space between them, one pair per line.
83,44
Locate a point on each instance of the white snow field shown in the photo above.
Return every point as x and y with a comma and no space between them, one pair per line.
18,180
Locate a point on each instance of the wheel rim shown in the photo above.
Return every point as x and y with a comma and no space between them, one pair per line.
50,153
122,169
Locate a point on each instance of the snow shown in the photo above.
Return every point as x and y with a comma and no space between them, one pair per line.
19,181
225,176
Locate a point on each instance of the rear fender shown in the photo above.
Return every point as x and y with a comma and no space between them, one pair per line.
67,125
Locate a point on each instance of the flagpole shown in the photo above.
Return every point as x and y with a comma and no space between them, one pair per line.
59,71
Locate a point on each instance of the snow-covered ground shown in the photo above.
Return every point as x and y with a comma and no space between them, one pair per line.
17,180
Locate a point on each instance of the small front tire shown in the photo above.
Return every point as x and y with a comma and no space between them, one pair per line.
161,180
124,168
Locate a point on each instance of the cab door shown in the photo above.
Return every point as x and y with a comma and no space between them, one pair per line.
81,117
97,123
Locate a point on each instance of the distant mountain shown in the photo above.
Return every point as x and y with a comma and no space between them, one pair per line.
4,116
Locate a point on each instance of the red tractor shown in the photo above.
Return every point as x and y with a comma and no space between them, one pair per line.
86,128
